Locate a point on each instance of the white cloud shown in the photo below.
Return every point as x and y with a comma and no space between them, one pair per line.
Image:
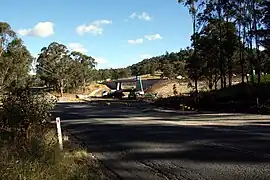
153,37
41,29
100,60
145,56
143,16
94,27
133,15
136,41
100,22
77,47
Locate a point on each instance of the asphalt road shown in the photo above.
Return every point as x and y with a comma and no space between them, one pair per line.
137,141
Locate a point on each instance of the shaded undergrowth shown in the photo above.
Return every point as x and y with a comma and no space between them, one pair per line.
29,145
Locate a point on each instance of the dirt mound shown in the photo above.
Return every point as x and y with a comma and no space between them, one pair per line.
96,89
166,88
93,89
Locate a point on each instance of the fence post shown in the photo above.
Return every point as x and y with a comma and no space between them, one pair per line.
59,133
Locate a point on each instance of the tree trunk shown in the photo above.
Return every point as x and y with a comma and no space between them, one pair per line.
240,55
257,45
251,57
196,91
230,72
62,87
210,83
243,48
225,81
220,48
216,79
228,56
84,85
195,52
240,43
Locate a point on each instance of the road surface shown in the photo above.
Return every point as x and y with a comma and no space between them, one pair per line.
137,141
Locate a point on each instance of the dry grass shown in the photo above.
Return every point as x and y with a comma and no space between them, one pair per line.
149,76
42,160
165,88
92,89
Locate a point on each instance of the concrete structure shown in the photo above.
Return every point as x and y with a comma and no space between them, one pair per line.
145,83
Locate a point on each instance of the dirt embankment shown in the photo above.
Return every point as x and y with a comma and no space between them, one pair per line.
90,90
171,88
93,89
166,88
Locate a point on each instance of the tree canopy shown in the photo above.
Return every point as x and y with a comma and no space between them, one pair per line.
61,69
15,59
227,39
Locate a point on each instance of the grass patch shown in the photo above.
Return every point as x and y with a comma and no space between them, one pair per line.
40,159
264,78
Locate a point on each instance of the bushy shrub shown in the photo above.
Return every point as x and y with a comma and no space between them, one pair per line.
25,111
29,145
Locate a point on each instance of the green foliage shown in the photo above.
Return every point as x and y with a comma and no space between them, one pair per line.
15,59
62,69
168,70
224,33
24,112
265,78
80,70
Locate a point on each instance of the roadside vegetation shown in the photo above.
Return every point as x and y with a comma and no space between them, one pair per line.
29,145
230,40
28,142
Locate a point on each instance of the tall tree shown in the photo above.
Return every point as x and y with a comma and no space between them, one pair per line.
193,10
83,66
53,65
265,33
15,59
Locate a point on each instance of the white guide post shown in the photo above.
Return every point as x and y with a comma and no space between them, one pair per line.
59,133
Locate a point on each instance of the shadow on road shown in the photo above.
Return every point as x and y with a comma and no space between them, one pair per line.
93,124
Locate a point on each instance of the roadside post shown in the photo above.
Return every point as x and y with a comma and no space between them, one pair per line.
59,133
257,104
182,108
254,74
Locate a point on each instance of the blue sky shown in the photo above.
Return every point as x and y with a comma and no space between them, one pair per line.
117,33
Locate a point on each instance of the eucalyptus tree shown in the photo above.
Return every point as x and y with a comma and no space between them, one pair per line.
82,67
15,59
53,66
230,45
265,42
251,17
6,36
193,65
